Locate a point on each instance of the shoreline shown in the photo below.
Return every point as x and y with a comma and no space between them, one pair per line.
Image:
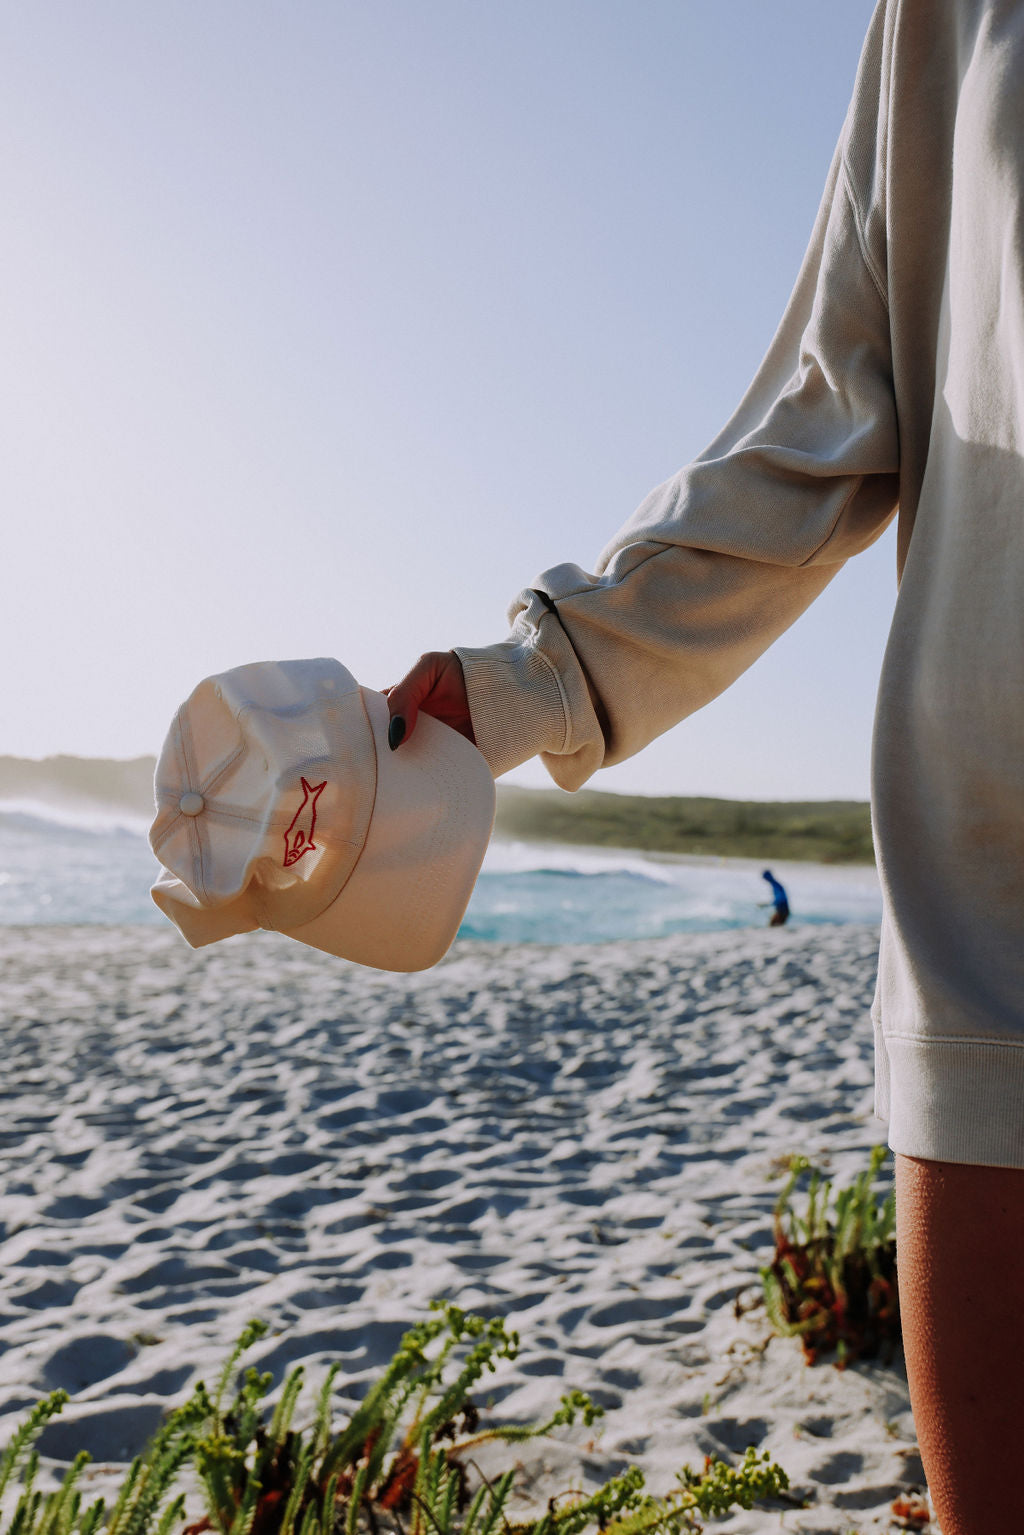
708,860
100,792
527,891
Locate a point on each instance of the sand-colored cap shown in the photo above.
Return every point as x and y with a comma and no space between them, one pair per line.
280,805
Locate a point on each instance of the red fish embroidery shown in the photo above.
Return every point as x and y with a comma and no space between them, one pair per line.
298,839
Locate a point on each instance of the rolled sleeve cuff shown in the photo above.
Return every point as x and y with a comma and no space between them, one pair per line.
516,703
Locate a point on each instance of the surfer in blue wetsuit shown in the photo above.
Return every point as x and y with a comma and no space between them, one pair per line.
779,901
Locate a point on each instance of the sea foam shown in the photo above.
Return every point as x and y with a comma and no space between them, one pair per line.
89,864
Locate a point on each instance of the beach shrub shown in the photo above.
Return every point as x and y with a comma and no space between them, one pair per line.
832,1282
400,1464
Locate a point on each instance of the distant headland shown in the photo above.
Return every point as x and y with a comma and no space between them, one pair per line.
80,783
816,831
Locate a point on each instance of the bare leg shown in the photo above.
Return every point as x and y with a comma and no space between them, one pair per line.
960,1248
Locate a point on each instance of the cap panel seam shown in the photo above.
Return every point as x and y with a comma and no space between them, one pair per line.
192,777
192,831
179,770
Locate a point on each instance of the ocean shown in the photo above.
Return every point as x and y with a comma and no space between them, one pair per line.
66,868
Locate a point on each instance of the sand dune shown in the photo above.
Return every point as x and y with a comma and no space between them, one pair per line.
585,1139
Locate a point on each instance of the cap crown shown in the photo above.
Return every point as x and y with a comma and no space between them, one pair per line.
265,790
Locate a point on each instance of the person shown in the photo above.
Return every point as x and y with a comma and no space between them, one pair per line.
895,381
779,901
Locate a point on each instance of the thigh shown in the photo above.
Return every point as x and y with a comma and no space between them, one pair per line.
960,1240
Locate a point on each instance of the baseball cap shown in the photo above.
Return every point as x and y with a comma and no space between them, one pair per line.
280,806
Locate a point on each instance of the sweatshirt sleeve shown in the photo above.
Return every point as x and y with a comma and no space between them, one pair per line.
717,562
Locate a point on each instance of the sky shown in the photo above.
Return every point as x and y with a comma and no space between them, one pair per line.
326,326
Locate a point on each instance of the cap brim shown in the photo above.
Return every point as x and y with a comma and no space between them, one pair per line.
432,818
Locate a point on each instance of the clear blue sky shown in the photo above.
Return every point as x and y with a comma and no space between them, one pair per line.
325,327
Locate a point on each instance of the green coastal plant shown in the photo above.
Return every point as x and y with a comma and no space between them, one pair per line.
143,1505
400,1464
832,1282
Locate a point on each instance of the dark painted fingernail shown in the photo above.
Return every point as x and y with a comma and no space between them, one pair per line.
396,732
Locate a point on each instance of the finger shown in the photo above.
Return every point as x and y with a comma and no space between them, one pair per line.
406,698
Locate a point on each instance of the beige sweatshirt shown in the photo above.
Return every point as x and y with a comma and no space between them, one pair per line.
896,379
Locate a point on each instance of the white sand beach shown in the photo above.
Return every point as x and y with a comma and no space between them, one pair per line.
584,1139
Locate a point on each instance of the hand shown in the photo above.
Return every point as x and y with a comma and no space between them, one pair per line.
435,685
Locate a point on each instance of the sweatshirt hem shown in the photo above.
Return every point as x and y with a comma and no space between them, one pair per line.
953,1099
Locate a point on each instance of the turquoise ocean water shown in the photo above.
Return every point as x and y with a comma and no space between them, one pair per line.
74,869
